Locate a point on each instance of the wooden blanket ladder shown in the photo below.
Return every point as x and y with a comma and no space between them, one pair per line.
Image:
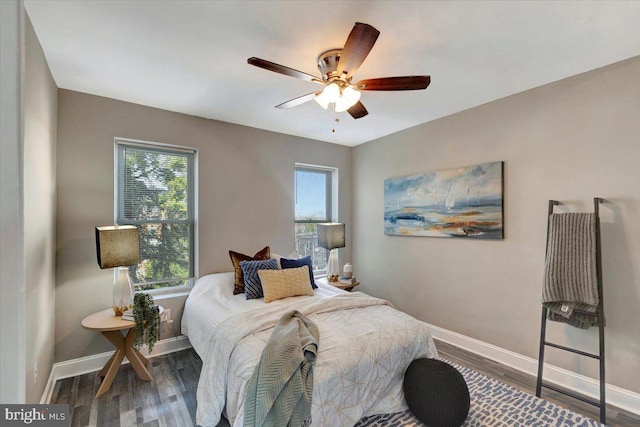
600,314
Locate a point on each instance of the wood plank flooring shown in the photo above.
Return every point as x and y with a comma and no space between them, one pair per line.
615,417
170,400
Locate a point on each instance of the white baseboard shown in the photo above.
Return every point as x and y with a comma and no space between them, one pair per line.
616,396
95,362
48,388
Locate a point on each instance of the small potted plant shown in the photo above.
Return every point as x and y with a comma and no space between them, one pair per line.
147,318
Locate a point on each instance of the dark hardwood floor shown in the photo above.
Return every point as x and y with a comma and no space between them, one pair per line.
170,400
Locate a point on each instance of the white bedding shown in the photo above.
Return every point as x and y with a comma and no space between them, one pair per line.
365,347
212,301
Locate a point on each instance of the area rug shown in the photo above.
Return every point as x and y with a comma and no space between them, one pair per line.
494,404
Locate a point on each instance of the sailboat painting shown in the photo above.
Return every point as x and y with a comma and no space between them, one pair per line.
462,202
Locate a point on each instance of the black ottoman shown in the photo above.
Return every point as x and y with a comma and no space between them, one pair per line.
436,393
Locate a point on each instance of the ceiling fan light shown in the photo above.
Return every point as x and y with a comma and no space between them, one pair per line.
342,105
348,99
321,99
352,95
331,92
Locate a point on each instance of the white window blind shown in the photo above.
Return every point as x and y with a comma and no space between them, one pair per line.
313,205
155,192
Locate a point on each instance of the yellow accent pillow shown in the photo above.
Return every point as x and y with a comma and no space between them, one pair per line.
291,282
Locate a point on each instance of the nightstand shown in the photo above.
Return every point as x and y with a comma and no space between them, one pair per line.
111,326
339,285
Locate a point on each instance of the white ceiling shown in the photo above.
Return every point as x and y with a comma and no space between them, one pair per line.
191,56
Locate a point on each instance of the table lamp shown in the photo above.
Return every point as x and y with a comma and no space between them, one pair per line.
119,246
331,237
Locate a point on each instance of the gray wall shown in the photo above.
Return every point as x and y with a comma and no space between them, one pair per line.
246,198
12,315
40,130
570,141
27,243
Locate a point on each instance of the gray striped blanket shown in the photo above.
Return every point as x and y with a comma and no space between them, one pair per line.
570,290
280,389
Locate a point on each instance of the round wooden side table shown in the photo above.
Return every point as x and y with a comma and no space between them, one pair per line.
111,326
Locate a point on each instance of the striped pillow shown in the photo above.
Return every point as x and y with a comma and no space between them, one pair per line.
291,282
250,269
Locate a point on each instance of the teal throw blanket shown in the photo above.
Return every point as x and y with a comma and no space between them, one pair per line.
280,389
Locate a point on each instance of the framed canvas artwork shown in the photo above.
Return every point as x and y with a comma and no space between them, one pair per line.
464,202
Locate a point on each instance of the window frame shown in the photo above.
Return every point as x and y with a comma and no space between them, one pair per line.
331,201
192,213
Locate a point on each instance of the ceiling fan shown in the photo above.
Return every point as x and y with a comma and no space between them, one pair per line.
337,67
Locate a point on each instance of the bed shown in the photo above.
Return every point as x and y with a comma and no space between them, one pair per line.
365,347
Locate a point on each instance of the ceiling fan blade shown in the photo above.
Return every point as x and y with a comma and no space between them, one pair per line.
297,101
355,50
277,68
395,83
357,110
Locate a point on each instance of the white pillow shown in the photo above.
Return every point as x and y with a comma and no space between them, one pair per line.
277,258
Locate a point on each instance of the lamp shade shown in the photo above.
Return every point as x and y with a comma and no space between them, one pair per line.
331,235
117,246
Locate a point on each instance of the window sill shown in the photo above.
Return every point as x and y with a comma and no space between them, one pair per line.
159,296
167,293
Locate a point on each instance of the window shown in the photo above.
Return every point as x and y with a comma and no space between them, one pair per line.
313,205
155,192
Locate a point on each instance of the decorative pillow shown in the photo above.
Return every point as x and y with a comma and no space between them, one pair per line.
236,257
277,258
278,284
295,263
252,286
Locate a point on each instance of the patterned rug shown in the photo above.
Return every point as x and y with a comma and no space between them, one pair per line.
494,404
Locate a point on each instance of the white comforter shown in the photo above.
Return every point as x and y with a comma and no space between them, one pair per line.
365,347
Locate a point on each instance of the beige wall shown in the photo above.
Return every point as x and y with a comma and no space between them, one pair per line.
40,130
570,141
246,198
29,120
12,315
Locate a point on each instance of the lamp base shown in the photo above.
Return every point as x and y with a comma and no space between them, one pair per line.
333,269
122,292
119,311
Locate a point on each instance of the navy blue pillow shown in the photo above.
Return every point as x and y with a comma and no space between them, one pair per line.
252,285
295,263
